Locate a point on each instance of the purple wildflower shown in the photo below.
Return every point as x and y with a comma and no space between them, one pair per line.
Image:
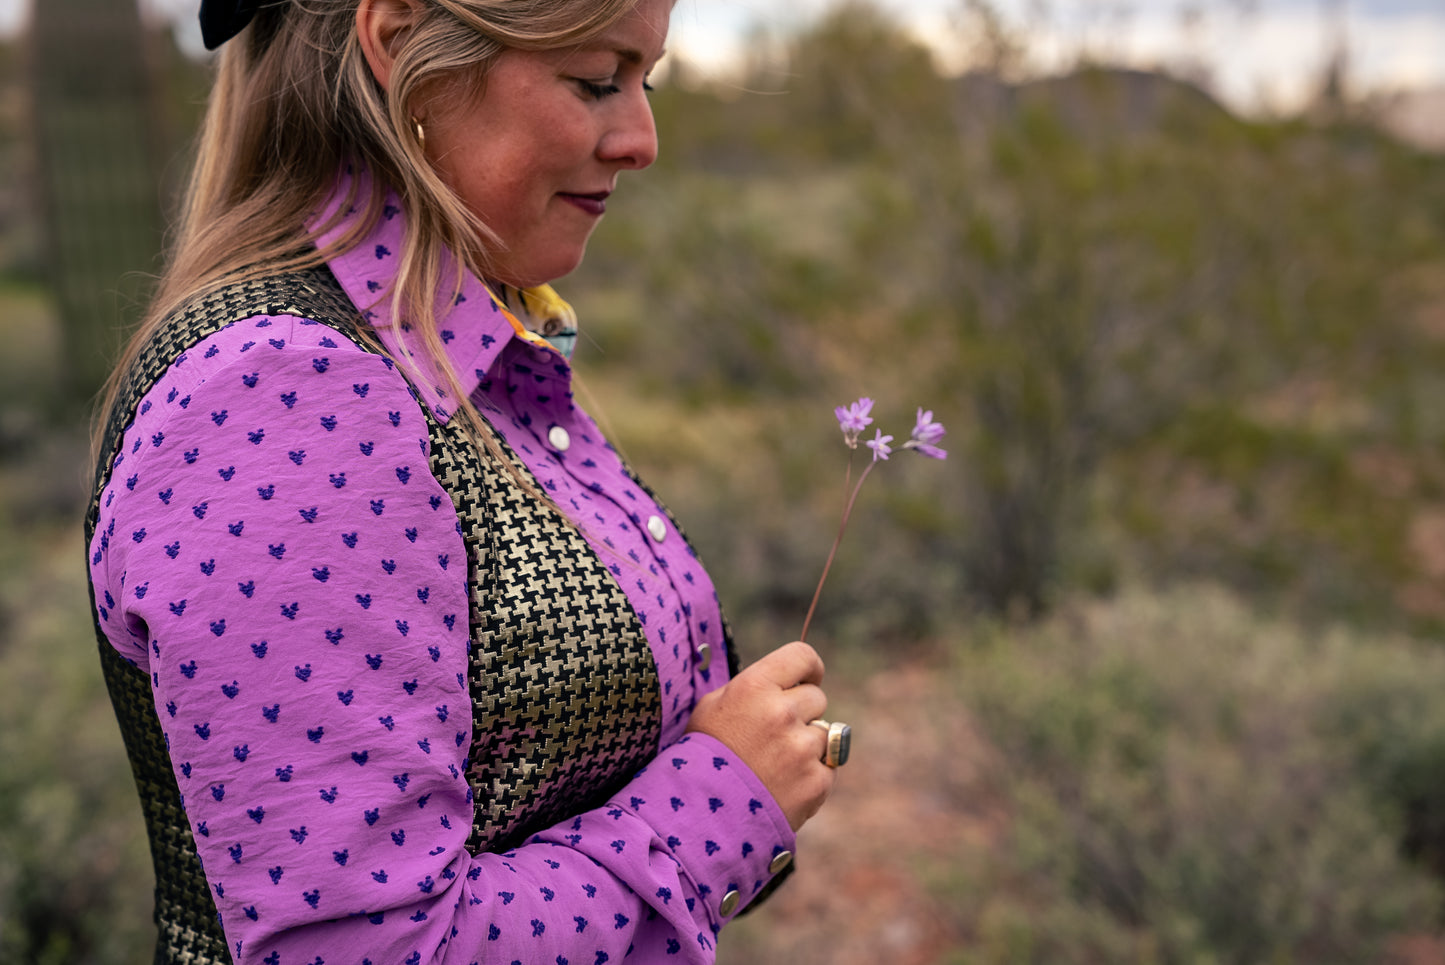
853,419
925,434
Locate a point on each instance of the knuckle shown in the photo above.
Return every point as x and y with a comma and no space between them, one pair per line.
778,716
745,688
808,746
806,652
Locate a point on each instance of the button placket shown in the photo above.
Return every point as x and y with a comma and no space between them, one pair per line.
701,650
655,544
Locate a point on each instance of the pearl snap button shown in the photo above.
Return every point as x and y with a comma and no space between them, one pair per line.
729,903
780,861
704,656
656,527
559,438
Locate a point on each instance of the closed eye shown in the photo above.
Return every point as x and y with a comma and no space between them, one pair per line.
596,90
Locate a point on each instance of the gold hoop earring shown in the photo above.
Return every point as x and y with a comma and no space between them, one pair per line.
420,133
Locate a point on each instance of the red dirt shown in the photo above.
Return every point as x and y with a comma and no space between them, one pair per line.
913,802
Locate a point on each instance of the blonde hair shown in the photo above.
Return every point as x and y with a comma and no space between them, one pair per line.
293,101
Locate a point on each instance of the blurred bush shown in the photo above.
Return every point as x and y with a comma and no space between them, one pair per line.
1166,341
75,877
1192,782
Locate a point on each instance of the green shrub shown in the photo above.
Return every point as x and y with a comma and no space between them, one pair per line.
75,875
1194,783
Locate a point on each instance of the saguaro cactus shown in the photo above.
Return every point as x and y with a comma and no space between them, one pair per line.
98,180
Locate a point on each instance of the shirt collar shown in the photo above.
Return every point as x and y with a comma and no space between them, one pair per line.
474,326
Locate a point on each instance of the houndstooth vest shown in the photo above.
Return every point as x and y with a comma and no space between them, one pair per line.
541,599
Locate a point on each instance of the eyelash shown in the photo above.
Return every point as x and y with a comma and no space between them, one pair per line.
599,91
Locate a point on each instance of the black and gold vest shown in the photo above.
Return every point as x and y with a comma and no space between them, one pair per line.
550,628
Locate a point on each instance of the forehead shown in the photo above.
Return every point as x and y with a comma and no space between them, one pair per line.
638,36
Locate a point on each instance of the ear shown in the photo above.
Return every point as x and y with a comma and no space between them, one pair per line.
380,27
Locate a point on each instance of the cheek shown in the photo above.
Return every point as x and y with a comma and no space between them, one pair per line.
562,143
491,187
515,203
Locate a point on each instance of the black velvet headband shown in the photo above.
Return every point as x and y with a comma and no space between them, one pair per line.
223,19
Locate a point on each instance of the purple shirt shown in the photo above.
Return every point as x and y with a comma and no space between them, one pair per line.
274,550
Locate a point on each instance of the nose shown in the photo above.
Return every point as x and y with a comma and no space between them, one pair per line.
631,142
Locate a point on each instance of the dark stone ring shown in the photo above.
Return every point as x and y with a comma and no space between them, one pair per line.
840,739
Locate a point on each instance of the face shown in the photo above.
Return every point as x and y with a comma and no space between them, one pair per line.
538,151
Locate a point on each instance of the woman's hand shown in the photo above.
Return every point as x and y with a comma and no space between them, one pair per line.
762,716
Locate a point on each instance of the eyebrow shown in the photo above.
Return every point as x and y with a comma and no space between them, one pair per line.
632,56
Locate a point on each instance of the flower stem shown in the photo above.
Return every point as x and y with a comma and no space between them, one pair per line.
842,525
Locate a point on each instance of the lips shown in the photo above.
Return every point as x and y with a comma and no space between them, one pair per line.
594,204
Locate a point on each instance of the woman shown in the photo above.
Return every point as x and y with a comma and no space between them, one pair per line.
409,665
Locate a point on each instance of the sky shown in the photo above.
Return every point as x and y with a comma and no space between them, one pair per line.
1257,55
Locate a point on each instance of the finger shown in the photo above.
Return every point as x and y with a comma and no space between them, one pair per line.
815,783
820,733
790,665
802,745
808,701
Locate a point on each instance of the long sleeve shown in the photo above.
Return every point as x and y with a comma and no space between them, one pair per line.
275,551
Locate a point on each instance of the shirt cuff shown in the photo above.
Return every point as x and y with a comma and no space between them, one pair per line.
718,819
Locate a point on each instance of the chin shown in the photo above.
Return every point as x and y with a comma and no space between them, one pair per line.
530,276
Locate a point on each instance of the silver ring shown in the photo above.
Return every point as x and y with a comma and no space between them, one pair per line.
840,740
